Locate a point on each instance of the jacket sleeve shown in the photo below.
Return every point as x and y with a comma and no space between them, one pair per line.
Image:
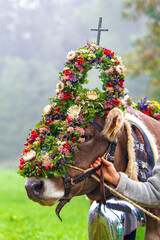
147,193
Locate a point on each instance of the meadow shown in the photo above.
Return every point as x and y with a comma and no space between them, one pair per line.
20,218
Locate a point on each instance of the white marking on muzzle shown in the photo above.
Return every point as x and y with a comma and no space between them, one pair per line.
51,189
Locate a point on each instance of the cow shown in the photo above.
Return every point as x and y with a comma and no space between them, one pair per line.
48,191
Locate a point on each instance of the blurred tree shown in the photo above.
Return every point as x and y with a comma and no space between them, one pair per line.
145,59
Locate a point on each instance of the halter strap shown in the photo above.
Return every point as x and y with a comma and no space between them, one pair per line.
97,125
69,182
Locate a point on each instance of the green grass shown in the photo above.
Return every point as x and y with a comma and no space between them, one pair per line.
20,218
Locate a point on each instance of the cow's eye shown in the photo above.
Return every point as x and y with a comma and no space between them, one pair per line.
87,137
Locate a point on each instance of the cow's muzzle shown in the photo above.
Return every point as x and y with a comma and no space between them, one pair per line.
34,189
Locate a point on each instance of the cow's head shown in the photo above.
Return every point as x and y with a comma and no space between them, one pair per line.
47,191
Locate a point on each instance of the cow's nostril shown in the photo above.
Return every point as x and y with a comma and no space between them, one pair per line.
38,188
34,189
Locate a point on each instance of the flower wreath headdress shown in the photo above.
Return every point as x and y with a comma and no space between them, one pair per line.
56,138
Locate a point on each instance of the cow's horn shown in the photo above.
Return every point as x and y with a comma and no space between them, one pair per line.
60,206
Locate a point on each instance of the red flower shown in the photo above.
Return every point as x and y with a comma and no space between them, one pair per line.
49,122
21,167
25,151
37,163
80,60
74,138
121,83
40,170
46,167
147,112
57,110
106,112
67,72
67,95
68,118
117,62
53,165
21,162
26,144
33,136
110,84
66,146
108,52
116,102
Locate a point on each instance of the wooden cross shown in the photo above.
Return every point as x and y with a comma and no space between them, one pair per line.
99,30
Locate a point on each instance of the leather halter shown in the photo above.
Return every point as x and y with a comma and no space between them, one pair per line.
69,182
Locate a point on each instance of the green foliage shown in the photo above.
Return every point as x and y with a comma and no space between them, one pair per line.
20,218
145,59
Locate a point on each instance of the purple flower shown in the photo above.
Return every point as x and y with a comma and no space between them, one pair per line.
47,118
73,79
144,98
92,48
143,106
80,120
116,80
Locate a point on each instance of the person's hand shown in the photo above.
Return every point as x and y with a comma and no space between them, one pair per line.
109,171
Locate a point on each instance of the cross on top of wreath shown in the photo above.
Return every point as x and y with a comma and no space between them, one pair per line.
99,30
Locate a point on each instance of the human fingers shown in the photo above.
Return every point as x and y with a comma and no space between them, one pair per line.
96,164
107,163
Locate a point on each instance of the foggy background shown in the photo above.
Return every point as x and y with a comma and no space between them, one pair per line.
35,37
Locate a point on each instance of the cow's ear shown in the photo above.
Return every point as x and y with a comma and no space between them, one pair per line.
113,124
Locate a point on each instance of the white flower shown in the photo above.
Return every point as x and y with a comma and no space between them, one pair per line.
74,111
66,68
47,110
72,55
120,69
60,87
60,143
92,96
119,59
29,156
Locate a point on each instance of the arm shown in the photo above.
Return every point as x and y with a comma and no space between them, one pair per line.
147,194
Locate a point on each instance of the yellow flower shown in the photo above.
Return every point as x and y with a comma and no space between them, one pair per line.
155,103
92,96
